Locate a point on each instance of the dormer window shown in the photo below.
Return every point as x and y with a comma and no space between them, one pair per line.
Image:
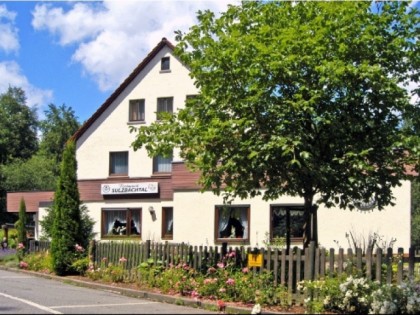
165,64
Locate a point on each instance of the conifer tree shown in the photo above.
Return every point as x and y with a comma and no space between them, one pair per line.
21,223
66,232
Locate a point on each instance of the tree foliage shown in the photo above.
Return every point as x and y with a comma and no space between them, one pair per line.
66,230
18,139
59,125
415,213
18,126
26,162
300,98
21,223
86,223
36,173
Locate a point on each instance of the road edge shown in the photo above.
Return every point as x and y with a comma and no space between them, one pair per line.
183,301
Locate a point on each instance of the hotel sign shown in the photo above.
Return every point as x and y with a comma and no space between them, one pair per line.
129,188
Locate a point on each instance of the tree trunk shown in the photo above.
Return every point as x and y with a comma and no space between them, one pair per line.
311,223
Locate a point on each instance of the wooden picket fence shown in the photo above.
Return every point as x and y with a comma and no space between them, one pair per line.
37,246
287,269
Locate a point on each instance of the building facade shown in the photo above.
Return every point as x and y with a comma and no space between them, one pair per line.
133,196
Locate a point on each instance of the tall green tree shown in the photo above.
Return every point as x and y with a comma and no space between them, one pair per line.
21,223
18,134
301,98
415,213
86,223
42,169
59,125
67,231
18,126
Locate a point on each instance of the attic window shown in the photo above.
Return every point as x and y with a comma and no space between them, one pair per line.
165,64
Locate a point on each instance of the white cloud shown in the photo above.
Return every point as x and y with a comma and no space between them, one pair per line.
414,97
112,37
82,22
12,76
9,41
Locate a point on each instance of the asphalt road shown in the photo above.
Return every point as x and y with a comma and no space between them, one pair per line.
22,293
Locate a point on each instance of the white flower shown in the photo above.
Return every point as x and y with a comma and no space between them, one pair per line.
256,309
343,287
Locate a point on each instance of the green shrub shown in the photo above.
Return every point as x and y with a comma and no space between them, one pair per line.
81,265
357,295
109,272
396,299
40,261
13,236
148,273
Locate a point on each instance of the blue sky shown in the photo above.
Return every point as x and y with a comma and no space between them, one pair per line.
78,52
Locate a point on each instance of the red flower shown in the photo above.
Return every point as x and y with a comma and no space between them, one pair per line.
221,305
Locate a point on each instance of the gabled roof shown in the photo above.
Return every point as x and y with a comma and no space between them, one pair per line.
163,43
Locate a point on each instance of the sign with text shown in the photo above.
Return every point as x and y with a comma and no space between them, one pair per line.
129,188
255,260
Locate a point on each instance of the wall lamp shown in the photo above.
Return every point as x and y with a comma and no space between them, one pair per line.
151,210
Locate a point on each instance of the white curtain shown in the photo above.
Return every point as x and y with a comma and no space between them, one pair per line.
169,221
244,221
112,216
163,164
279,212
224,215
135,217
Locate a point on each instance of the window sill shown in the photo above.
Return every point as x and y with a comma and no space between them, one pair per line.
120,237
296,240
118,176
136,122
163,174
233,241
165,71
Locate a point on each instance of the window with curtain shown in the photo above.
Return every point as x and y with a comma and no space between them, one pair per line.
137,112
164,105
121,222
232,223
287,219
118,163
162,164
167,223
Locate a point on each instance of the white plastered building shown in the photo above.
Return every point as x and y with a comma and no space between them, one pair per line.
132,196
